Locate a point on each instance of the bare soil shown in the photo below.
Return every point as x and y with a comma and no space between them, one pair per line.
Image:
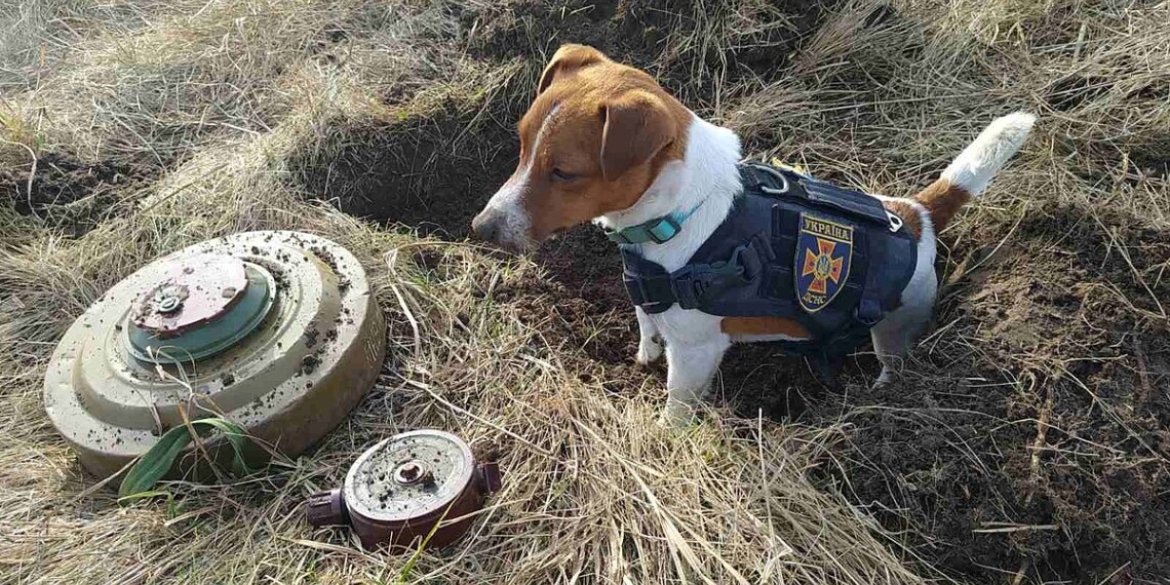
67,193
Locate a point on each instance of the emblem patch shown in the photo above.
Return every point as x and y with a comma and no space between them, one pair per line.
823,253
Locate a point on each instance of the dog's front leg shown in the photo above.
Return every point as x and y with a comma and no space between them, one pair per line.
690,370
649,339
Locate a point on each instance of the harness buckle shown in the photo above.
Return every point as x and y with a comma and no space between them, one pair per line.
689,285
696,283
775,174
896,222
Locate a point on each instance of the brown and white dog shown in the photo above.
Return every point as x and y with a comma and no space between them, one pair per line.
604,142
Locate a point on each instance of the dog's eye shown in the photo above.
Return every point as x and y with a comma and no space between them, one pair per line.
562,176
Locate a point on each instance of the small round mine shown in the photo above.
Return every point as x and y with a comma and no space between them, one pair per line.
418,487
409,476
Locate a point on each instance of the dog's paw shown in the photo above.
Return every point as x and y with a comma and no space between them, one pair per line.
676,415
649,351
884,380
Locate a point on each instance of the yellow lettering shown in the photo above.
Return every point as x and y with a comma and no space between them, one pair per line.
829,230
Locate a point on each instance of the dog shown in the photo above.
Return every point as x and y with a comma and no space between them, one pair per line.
603,142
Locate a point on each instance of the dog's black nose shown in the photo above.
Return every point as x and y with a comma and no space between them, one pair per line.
487,225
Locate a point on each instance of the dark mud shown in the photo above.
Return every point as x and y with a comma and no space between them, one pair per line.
67,193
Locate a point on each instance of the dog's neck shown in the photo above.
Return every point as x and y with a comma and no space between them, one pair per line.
705,180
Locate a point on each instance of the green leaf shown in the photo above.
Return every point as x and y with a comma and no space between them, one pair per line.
235,436
155,463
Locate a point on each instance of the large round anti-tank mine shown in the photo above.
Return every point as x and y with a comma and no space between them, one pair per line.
277,332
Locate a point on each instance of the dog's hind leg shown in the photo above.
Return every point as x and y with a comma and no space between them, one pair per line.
901,328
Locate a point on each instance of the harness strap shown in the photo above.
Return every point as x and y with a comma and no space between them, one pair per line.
783,180
647,284
691,285
869,308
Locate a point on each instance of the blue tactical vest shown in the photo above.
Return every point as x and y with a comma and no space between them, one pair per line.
832,259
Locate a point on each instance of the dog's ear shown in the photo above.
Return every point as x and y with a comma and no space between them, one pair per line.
568,59
637,126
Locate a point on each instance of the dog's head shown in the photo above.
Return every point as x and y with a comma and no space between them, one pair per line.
595,138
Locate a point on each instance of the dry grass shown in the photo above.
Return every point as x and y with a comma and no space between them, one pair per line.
221,109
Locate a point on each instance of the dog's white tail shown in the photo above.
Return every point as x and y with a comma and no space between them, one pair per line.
971,172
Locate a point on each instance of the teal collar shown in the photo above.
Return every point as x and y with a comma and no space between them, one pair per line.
658,230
